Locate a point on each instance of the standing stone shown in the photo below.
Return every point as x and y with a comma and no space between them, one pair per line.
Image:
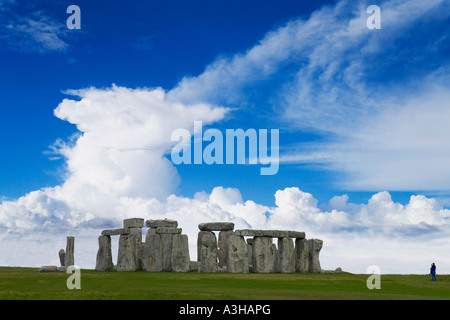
130,246
69,259
208,251
180,253
199,243
152,257
126,259
276,263
314,247
237,255
287,255
250,254
167,244
223,247
104,256
62,257
136,235
264,255
301,256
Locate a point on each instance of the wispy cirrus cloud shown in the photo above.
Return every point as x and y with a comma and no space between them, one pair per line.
377,99
32,30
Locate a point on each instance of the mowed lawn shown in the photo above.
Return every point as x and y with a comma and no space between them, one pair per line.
29,283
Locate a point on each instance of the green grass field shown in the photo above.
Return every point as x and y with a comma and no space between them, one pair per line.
28,283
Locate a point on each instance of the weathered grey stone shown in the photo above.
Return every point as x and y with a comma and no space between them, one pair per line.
216,226
180,253
301,256
115,232
168,230
126,258
338,270
194,266
62,257
161,223
270,233
237,255
314,247
250,253
208,252
152,257
264,255
286,255
104,256
199,242
223,247
69,259
130,250
167,244
48,269
133,223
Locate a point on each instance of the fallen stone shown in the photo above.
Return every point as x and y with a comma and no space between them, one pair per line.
270,233
216,226
338,270
104,256
115,232
48,269
168,230
133,223
237,255
161,223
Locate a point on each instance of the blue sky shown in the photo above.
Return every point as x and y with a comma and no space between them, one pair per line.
130,44
86,115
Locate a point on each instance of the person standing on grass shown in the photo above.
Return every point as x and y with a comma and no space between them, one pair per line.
433,272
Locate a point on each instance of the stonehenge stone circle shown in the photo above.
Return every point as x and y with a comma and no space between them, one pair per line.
239,251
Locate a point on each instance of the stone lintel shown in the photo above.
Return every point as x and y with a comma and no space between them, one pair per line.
161,223
167,230
115,232
216,226
270,233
